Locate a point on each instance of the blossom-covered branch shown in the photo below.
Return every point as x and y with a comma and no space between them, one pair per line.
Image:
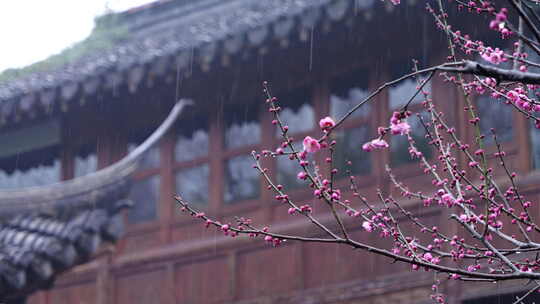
493,229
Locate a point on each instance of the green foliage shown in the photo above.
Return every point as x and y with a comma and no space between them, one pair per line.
106,33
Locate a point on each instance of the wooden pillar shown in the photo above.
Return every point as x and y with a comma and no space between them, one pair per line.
321,98
67,161
104,280
522,137
167,187
267,142
216,162
119,144
380,114
321,105
449,100
66,154
104,148
111,142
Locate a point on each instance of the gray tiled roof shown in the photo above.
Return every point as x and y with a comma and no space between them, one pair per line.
35,248
173,34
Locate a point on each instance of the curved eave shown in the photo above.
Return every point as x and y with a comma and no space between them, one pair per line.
96,189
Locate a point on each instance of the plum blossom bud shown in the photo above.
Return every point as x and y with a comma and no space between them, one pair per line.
311,145
301,175
398,116
326,123
306,208
336,195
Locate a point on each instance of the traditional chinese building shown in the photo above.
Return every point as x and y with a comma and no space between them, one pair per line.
65,120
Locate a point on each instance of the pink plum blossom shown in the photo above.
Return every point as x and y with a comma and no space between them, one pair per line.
398,124
311,145
448,199
402,128
368,226
493,56
374,144
326,123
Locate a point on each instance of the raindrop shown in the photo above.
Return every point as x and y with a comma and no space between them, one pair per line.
192,54
177,80
311,48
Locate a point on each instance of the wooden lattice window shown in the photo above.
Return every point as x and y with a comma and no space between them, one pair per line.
398,96
30,156
346,91
145,191
242,134
298,113
191,155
